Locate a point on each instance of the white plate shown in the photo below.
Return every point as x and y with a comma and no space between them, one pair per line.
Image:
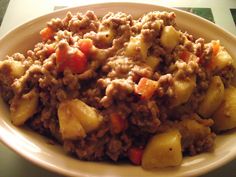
35,147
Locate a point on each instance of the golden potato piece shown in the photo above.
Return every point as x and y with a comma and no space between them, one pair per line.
137,46
194,128
170,37
153,61
70,126
77,118
222,59
225,116
88,116
106,34
17,69
23,108
163,150
183,90
213,97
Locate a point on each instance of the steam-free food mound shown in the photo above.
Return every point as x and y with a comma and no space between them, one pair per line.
115,88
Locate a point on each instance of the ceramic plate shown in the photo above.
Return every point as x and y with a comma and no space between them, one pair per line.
37,149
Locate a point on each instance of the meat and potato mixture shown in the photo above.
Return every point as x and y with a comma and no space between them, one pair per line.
116,88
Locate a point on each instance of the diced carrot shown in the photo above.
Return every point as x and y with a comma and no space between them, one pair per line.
215,50
72,58
85,45
46,33
135,155
187,56
146,88
77,62
215,47
50,50
118,124
184,55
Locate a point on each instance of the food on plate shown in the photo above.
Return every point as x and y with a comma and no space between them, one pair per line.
115,88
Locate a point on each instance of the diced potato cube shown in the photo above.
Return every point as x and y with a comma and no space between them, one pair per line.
222,59
16,67
163,150
170,37
153,61
89,117
76,119
213,97
183,90
106,36
137,47
225,116
23,108
70,126
194,129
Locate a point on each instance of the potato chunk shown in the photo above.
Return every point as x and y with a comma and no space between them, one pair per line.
153,61
16,67
23,108
106,36
170,37
183,90
70,126
76,119
213,97
137,47
88,116
222,59
192,128
225,116
163,150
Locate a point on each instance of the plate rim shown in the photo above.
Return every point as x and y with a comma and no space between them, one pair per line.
59,170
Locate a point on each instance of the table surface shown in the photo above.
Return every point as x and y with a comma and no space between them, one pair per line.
221,12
